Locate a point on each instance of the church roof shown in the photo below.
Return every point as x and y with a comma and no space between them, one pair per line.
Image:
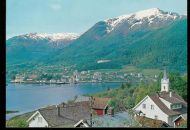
162,106
173,99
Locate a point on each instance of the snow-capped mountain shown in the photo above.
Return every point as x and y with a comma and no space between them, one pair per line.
150,17
37,45
148,38
55,40
52,37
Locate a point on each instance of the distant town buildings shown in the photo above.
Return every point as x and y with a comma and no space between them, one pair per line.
97,76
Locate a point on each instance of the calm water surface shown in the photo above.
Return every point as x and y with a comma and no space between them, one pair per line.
28,97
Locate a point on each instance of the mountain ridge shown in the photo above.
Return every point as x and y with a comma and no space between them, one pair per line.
124,45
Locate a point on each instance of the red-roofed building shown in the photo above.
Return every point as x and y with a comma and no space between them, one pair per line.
100,105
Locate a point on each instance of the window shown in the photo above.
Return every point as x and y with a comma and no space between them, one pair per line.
164,87
179,105
152,107
144,106
173,106
156,117
176,106
39,119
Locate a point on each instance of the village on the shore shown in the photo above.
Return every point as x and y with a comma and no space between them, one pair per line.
69,76
163,109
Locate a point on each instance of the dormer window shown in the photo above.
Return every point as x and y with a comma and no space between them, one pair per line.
176,106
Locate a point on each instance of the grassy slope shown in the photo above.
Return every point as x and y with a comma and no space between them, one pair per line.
19,121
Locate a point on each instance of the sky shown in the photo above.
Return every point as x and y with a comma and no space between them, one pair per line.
56,16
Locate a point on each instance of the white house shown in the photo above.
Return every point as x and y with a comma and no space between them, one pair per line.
164,105
37,120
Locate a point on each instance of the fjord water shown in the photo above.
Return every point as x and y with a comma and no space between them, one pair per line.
29,97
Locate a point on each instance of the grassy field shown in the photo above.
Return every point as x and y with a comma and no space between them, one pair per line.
146,72
132,69
19,121
151,72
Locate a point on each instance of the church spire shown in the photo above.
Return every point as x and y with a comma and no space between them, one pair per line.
165,75
165,82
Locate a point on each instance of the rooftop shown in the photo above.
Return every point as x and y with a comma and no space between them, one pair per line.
100,103
70,114
152,123
120,119
175,98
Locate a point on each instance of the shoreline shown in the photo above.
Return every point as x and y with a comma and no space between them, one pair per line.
10,111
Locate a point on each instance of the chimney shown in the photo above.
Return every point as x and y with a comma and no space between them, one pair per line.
58,110
63,104
170,93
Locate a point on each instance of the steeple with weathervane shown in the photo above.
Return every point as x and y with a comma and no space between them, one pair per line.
165,83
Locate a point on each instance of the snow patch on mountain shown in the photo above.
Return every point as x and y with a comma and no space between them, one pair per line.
52,37
149,15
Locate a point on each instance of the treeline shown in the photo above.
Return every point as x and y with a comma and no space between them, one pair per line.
127,96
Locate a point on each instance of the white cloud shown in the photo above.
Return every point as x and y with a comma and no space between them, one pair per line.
55,7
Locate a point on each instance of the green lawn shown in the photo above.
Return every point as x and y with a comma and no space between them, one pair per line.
19,121
146,72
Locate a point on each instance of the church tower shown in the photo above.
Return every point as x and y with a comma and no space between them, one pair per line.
165,83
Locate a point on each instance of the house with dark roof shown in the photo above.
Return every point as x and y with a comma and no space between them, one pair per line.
68,115
180,120
62,115
165,105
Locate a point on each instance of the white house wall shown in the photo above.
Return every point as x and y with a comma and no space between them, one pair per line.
152,113
34,122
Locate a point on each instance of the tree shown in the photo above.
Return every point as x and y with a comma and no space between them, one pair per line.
122,86
179,84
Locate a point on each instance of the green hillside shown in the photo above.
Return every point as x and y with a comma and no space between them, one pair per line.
142,48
